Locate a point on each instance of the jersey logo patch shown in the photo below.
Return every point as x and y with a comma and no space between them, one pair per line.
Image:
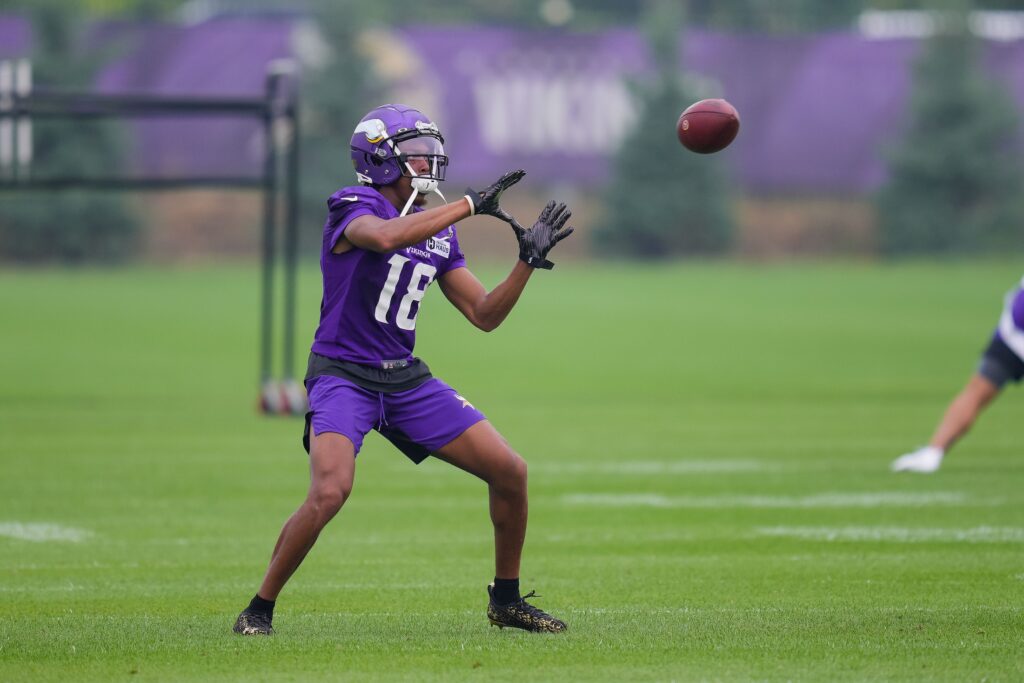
440,247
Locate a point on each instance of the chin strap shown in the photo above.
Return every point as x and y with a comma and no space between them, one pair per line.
408,204
421,185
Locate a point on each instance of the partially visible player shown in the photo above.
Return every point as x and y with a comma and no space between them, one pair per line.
1002,362
380,252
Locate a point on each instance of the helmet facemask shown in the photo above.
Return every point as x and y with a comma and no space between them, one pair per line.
424,150
394,140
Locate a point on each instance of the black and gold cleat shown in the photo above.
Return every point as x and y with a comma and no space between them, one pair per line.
521,614
253,624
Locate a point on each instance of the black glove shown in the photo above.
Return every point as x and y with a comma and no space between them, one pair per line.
535,243
485,202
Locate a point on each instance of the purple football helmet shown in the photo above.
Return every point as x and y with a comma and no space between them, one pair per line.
391,136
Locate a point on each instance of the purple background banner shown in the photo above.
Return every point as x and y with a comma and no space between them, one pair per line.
15,36
222,58
556,105
817,111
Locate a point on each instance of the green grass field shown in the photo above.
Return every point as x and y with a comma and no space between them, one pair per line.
710,495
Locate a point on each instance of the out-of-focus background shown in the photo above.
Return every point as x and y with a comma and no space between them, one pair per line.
869,128
709,388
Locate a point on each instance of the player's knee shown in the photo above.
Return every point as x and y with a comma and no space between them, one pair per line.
518,468
328,499
513,473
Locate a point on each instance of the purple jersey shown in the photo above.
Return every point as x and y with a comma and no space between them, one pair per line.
370,300
1011,322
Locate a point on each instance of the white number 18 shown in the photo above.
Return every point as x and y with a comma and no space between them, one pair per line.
422,276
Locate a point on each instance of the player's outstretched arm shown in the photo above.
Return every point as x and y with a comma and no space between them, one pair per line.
486,310
376,234
964,410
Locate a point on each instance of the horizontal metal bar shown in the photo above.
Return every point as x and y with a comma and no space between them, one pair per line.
66,96
7,184
39,114
76,110
76,105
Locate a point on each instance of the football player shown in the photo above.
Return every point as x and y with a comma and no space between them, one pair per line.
1002,362
381,251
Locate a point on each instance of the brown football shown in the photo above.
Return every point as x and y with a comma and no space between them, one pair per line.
708,126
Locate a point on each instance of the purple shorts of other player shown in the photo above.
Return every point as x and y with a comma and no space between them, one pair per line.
418,421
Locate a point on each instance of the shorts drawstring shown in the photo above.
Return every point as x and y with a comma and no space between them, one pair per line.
382,419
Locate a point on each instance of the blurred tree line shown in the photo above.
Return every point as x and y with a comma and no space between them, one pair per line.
955,176
952,184
663,201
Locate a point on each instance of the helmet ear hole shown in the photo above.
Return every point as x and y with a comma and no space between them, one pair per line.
373,160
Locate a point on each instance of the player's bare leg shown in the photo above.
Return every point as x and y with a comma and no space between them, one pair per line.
957,420
332,471
963,411
483,452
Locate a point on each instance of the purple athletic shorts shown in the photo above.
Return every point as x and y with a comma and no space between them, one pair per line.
418,421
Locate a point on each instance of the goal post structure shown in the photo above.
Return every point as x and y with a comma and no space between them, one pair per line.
277,179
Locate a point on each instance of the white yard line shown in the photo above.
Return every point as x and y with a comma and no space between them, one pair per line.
980,534
817,500
647,467
41,532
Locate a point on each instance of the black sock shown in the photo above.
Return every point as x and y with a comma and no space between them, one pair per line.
506,590
262,606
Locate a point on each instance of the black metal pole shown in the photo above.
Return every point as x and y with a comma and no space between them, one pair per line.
269,221
291,239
